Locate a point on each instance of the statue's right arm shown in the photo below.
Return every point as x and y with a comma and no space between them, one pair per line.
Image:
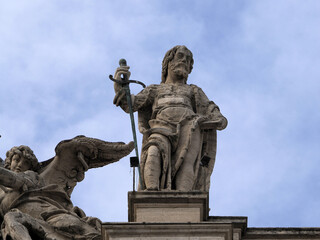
140,101
13,180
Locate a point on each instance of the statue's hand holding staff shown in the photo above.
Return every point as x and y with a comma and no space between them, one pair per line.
122,73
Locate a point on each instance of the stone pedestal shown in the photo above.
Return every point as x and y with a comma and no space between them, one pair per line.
173,207
184,215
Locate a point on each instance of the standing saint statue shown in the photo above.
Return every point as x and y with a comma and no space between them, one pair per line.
178,123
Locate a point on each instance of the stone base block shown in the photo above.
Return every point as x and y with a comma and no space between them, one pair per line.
216,228
165,231
169,207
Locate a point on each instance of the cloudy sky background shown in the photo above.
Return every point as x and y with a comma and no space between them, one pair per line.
258,60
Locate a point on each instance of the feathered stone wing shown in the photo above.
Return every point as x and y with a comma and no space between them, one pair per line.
95,152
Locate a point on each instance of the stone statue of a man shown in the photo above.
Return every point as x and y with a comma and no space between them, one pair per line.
178,124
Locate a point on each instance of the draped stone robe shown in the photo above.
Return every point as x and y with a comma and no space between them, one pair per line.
168,111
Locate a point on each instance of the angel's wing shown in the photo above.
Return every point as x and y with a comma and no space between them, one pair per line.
94,152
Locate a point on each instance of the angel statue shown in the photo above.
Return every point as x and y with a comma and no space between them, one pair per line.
35,202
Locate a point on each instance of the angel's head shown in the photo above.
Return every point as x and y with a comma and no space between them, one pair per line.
21,159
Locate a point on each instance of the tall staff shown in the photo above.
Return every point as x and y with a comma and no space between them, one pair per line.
124,82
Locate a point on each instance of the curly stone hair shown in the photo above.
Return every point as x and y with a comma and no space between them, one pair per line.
168,57
22,151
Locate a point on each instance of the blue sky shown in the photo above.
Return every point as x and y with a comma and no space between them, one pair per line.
258,60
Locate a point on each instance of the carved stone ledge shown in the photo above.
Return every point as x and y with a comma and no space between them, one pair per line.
161,231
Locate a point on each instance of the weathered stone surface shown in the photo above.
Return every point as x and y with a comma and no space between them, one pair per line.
178,123
281,233
35,202
168,213
163,231
168,206
221,228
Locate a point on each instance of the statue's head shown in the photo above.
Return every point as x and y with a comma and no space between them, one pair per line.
180,60
20,159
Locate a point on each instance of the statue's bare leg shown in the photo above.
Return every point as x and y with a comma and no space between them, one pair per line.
186,176
152,169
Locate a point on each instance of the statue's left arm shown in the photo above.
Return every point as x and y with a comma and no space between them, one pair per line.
214,114
208,109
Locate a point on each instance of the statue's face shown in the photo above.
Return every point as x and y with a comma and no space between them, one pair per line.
19,164
181,63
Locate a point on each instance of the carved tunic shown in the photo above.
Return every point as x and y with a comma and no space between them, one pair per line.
164,111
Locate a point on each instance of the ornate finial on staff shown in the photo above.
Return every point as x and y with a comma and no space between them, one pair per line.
122,62
124,80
